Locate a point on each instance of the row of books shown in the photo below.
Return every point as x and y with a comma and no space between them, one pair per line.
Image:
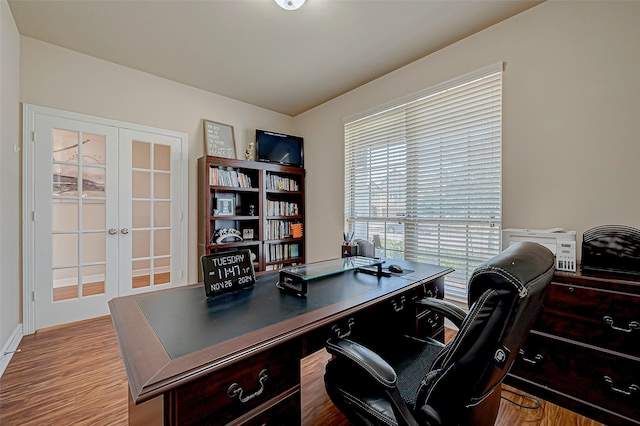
278,229
278,252
219,176
282,208
277,266
282,183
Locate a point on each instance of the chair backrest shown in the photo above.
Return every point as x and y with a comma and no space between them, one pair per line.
505,296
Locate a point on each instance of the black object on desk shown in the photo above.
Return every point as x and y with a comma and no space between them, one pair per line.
611,248
295,280
227,271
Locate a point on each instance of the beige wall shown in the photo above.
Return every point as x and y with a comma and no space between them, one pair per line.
10,285
571,108
571,119
59,78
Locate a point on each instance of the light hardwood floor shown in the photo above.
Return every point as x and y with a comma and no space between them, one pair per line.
73,375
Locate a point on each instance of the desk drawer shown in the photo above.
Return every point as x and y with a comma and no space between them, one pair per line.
590,375
601,318
226,394
286,413
390,316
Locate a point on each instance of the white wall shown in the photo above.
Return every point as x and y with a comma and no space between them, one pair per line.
59,78
571,119
10,285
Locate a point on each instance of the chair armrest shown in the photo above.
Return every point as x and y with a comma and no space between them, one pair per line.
448,309
365,359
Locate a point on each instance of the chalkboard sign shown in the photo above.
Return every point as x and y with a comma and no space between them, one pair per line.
228,271
219,139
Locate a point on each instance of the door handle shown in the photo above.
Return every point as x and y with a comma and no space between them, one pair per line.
112,231
125,230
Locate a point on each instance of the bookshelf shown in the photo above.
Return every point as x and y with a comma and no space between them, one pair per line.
263,202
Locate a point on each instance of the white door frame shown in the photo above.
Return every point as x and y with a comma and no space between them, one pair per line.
29,113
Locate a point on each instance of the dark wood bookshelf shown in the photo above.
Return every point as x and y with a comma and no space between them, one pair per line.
258,194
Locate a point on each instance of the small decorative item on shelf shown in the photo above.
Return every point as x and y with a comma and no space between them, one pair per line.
252,210
248,153
226,206
226,235
296,230
247,234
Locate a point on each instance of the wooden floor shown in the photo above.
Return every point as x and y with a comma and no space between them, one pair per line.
73,375
97,287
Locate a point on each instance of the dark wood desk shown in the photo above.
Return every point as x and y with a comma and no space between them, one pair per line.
235,359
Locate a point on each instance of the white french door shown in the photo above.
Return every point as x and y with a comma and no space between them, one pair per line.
150,214
104,213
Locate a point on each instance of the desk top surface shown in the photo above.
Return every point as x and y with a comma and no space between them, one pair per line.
169,336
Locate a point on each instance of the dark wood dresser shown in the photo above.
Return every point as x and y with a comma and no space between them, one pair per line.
583,352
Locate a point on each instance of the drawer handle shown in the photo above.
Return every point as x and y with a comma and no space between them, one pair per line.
633,325
398,306
536,359
339,333
236,390
632,388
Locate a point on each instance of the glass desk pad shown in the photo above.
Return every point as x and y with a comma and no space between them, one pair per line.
326,268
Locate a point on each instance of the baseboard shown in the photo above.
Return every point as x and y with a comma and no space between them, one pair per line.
9,348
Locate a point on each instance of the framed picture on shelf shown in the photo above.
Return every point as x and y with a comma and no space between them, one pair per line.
219,139
226,206
247,234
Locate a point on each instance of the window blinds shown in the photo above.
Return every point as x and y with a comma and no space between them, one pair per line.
423,175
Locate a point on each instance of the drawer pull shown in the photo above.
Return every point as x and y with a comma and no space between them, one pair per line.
339,333
236,390
632,388
398,306
633,325
536,359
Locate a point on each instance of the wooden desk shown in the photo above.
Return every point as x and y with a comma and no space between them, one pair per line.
235,359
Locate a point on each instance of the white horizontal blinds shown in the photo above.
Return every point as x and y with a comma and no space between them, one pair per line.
375,171
376,168
451,140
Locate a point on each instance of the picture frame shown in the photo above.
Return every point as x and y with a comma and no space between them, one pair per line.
219,139
226,206
247,234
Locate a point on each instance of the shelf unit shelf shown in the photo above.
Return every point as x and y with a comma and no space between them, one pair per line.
251,207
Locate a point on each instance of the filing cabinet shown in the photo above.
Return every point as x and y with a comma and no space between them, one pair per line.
583,352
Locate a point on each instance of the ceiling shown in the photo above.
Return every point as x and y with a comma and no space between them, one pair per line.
256,52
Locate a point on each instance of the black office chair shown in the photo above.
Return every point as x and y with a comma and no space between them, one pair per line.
404,380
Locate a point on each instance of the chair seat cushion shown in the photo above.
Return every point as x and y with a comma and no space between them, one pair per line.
411,359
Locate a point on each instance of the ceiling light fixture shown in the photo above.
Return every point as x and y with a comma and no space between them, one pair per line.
290,4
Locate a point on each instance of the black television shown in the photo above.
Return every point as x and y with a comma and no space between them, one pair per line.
279,148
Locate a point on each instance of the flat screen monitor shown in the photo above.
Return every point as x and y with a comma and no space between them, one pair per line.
279,148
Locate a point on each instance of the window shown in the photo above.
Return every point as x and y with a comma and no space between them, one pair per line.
423,175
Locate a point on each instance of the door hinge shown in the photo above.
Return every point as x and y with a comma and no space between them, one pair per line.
33,296
33,136
33,216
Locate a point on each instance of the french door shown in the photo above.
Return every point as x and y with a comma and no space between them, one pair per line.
106,213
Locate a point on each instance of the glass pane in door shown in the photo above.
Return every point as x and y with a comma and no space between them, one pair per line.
78,214
151,213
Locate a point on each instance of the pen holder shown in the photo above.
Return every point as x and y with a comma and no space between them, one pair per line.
348,251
